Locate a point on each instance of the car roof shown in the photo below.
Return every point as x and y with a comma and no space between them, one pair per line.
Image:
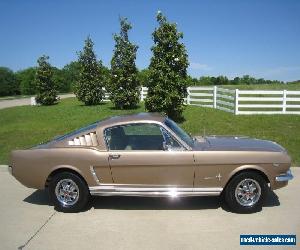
123,119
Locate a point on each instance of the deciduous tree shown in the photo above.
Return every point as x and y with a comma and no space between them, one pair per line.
26,79
9,85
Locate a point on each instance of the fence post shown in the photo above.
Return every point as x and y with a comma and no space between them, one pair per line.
284,101
142,94
32,101
188,101
236,102
215,97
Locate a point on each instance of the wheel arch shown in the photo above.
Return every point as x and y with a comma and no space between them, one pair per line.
61,169
248,168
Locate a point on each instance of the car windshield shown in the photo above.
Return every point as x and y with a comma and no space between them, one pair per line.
179,132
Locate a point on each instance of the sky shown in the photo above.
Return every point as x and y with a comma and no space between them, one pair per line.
233,38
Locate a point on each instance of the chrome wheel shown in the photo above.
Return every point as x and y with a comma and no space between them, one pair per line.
67,192
248,192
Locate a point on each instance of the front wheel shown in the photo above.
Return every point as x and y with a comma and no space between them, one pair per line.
68,192
246,192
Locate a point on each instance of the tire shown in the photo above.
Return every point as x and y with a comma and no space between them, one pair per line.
243,198
68,192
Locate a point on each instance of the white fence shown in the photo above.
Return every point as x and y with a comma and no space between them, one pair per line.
239,102
242,102
144,92
268,102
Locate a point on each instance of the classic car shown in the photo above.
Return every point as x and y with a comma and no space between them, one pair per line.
148,154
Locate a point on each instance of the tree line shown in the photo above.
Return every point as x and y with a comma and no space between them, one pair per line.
22,82
223,80
166,77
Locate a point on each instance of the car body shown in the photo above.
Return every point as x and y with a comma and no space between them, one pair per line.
147,154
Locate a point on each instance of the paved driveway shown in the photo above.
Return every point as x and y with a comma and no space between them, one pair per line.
27,221
24,101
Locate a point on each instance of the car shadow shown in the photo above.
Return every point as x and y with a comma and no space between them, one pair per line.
38,197
272,200
149,203
41,197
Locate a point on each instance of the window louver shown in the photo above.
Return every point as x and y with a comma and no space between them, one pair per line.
85,140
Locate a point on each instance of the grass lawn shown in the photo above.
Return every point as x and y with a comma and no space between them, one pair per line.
25,126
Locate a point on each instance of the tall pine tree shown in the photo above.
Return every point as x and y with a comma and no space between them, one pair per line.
89,88
45,86
124,84
167,70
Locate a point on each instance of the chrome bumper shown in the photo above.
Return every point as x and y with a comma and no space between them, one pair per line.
9,169
285,177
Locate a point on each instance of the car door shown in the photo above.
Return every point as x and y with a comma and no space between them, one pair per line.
145,154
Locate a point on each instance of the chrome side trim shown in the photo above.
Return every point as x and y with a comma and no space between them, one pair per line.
285,177
94,175
154,192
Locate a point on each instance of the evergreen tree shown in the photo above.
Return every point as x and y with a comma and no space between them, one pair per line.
124,84
167,70
45,86
91,81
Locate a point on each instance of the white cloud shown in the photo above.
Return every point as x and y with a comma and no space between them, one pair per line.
199,66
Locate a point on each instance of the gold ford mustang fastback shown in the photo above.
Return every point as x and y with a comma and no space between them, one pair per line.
147,154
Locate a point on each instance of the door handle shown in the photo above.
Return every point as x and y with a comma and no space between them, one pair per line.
114,156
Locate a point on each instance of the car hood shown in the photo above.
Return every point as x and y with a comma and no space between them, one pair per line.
231,143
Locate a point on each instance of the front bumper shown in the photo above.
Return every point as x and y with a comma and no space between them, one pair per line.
285,177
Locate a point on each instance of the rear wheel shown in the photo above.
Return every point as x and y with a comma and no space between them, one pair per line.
246,192
68,192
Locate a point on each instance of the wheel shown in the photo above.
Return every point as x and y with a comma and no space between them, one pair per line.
246,192
68,192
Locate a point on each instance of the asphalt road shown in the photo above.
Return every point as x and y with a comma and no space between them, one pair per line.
28,221
24,101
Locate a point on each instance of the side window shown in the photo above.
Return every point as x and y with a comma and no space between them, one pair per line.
142,136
